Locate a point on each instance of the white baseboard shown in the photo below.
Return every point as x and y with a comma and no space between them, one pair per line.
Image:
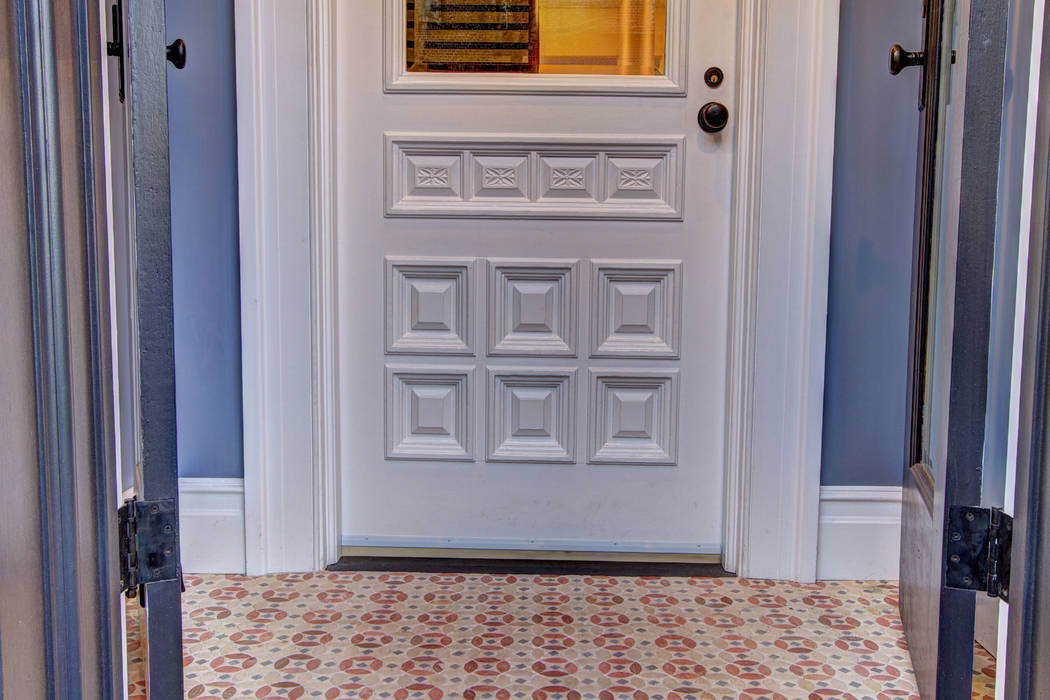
860,533
528,544
211,521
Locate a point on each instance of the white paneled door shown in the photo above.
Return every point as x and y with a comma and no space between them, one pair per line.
533,272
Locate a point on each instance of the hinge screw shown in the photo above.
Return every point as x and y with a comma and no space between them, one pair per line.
969,516
955,558
967,580
956,537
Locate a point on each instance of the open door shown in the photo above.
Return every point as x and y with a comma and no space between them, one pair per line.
145,360
961,102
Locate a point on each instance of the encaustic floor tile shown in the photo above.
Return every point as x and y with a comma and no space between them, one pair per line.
407,636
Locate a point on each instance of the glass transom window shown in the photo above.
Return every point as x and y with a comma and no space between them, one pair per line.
567,37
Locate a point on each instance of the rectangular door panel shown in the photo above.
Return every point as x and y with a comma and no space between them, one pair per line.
536,176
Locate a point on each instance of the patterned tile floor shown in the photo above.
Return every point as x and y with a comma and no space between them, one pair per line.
427,637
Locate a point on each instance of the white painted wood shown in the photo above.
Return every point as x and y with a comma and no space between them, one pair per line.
860,533
536,545
782,136
781,234
574,177
531,414
428,305
397,79
533,306
751,59
324,302
274,174
634,416
543,176
638,308
211,525
430,412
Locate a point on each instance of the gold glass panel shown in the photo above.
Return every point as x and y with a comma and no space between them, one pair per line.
607,37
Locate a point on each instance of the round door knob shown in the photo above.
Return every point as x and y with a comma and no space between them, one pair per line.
176,53
901,59
713,117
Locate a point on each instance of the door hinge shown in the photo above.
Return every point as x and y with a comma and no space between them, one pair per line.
978,550
149,543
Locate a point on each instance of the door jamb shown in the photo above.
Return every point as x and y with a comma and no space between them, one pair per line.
1028,619
778,276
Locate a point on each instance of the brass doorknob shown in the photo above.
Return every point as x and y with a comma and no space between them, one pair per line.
713,117
901,59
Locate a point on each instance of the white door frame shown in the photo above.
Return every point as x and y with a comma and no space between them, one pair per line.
780,232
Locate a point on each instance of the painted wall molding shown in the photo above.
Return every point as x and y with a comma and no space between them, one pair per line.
778,298
211,525
860,533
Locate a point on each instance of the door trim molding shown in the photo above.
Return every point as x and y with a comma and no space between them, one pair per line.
785,134
744,221
778,296
288,321
325,320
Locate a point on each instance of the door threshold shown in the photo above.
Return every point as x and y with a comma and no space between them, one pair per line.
516,561
529,554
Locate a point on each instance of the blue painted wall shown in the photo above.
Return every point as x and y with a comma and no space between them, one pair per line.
876,136
202,116
876,133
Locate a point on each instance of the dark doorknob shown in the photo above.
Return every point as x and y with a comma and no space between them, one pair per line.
177,53
901,59
713,117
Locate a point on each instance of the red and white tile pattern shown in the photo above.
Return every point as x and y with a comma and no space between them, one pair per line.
421,636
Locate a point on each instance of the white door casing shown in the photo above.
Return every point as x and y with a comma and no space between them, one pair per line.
785,127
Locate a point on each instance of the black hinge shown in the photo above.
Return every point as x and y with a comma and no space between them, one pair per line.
149,543
978,550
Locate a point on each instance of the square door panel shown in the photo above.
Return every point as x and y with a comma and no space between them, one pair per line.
568,178
636,308
635,177
531,415
428,413
433,176
532,306
429,306
501,177
634,416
